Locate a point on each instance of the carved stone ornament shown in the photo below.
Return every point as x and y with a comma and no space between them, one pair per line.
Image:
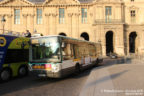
24,15
70,14
54,15
16,3
9,15
48,14
77,14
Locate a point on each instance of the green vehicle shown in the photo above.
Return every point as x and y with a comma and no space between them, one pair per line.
13,56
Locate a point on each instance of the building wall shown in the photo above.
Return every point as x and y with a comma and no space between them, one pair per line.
96,27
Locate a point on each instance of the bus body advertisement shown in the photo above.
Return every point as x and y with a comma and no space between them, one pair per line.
13,56
57,56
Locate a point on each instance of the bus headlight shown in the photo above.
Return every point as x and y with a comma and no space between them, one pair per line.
55,67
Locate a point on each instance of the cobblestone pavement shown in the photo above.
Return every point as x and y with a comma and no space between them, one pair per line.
116,80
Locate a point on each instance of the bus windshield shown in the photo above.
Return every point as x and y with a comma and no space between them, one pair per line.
45,50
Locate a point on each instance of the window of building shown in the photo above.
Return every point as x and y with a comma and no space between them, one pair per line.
61,15
84,15
133,16
17,16
39,16
108,13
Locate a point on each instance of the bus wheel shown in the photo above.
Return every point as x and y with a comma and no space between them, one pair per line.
23,71
77,68
5,75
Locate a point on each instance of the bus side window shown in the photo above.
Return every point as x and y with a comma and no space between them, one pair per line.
76,51
92,50
85,50
67,52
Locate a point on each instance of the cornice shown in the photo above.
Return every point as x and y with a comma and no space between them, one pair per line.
8,15
59,5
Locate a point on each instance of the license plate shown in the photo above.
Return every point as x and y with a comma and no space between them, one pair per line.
42,75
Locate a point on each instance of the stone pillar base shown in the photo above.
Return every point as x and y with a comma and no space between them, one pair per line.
120,50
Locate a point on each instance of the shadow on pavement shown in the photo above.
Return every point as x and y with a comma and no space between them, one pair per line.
30,81
103,79
17,84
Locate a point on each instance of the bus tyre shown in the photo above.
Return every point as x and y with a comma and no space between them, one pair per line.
96,62
23,71
77,69
5,75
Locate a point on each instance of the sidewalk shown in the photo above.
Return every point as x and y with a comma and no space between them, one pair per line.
115,80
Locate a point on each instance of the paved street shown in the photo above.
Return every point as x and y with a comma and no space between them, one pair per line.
116,80
111,79
30,86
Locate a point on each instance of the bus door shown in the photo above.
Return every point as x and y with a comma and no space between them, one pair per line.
87,58
85,55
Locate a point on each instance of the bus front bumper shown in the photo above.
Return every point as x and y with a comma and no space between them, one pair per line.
45,73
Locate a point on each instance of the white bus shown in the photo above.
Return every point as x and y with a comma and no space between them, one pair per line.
57,56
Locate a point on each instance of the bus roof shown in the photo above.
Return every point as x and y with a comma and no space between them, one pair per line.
10,35
62,37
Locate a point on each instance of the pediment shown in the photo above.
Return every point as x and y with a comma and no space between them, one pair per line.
133,7
15,3
61,2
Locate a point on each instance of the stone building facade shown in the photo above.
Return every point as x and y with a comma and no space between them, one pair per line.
117,24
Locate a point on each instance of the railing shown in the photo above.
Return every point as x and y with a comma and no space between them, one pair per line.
110,21
13,33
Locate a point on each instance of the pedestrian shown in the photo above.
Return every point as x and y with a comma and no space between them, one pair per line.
28,34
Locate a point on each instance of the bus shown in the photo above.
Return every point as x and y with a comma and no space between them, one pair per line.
58,56
14,52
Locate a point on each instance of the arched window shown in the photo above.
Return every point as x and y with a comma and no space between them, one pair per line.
63,34
85,36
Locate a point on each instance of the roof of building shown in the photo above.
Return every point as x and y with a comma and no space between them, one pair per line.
41,1
85,1
37,1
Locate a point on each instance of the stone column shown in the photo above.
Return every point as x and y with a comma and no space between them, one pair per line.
47,24
54,24
24,22
9,22
119,46
32,23
28,22
77,35
70,24
1,26
50,22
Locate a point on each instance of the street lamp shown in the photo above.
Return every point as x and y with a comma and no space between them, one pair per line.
3,20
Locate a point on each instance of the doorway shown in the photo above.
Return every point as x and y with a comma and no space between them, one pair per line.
109,43
132,42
